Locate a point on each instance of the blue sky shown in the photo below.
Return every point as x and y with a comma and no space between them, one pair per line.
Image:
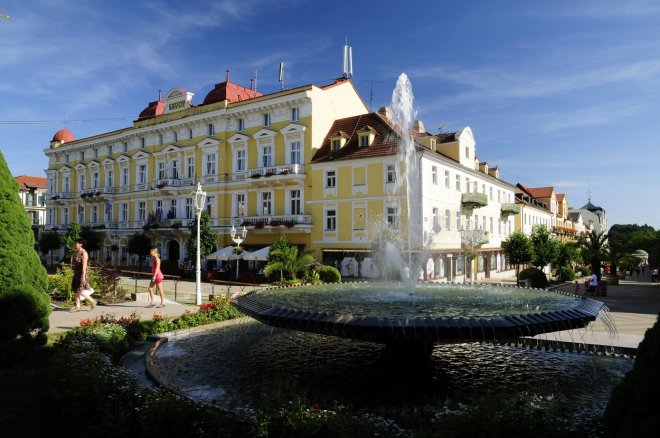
557,93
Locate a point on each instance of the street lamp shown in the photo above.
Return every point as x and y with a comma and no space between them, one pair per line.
200,198
238,240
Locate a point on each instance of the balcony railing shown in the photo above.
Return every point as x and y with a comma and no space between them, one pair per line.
287,220
474,200
510,208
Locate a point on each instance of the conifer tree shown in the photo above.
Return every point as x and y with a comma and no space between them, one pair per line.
24,301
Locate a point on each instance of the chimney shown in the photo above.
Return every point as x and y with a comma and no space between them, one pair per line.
418,126
385,111
227,76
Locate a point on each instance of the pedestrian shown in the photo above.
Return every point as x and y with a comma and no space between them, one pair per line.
156,279
80,280
593,283
654,275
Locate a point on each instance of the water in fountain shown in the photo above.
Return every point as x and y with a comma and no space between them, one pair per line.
407,184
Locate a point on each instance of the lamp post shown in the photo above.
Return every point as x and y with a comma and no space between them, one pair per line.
238,240
200,199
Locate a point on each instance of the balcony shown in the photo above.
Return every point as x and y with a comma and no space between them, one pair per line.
171,185
510,208
283,223
474,200
473,238
273,175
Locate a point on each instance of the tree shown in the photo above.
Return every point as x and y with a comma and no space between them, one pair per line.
518,250
92,239
545,247
207,236
24,301
282,243
140,244
289,260
49,242
568,254
72,234
593,247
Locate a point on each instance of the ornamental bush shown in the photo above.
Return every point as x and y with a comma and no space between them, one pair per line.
329,274
21,271
537,277
565,274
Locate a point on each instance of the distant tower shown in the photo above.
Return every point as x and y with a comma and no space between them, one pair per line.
348,61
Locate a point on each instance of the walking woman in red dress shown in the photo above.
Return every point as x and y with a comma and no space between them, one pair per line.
156,279
80,278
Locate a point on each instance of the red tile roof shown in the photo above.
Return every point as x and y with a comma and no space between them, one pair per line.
230,92
541,192
154,109
31,182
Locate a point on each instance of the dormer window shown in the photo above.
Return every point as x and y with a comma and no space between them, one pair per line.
336,144
338,140
467,151
366,136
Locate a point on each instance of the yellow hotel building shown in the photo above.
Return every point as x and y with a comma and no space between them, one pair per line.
248,150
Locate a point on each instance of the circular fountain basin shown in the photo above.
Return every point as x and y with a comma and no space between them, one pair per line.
435,313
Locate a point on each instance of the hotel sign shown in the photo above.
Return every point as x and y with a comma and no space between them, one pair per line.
178,99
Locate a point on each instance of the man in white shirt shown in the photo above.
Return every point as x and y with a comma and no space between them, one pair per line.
593,283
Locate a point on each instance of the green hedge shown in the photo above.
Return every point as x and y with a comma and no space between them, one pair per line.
565,274
537,277
329,274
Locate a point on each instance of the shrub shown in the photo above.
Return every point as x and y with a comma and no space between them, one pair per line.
585,271
537,277
329,274
632,410
59,284
565,274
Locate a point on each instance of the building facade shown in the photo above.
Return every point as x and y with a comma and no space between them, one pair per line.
32,192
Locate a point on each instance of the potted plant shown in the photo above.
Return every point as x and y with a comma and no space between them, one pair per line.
255,175
274,223
289,224
259,225
269,173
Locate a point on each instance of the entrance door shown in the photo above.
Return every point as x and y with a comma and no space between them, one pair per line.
173,250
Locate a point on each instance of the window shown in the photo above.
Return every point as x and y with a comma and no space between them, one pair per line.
142,211
241,124
175,136
109,178
143,142
491,226
364,140
240,160
172,213
266,119
335,145
491,193
110,150
96,153
458,220
66,158
82,155
142,173
123,213
499,196
391,214
190,134
124,177
436,217
483,188
81,182
190,172
295,114
190,209
390,174
266,203
295,153
65,216
434,175
210,202
81,214
467,185
447,220
175,169
49,216
467,152
330,179
210,129
458,183
476,221
483,226
330,220
210,164
95,180
125,147
447,183
65,184
160,139
108,212
94,214
161,170
266,156
240,209
295,202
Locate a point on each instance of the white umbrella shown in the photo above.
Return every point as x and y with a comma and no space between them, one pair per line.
258,255
226,253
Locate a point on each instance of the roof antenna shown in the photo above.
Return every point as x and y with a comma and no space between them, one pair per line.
159,91
227,76
281,76
348,61
371,90
256,71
